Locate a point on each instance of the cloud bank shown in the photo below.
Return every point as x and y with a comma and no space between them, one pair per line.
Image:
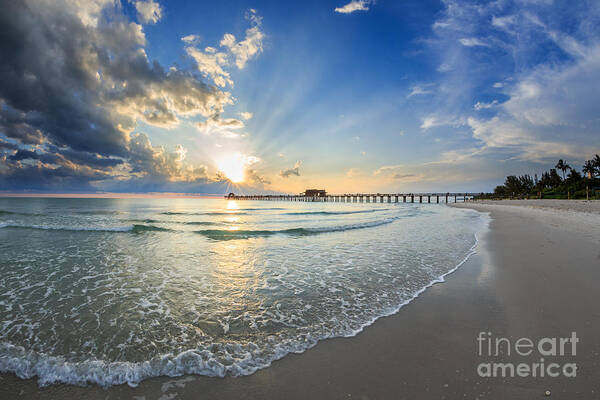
76,81
520,77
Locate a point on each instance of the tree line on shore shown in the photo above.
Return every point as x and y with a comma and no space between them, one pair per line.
569,184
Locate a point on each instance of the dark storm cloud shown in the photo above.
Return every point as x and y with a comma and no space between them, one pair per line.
13,121
90,159
38,177
46,82
32,155
74,81
4,145
63,156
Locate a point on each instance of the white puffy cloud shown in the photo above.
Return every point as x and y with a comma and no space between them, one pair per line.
472,42
445,67
418,90
354,5
433,121
505,22
221,126
148,11
191,39
213,63
244,50
482,106
429,122
559,94
295,170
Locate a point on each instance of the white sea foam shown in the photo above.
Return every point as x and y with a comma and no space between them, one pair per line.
173,305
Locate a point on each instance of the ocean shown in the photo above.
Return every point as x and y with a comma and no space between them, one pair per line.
112,291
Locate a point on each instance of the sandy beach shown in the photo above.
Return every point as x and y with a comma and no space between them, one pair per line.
535,275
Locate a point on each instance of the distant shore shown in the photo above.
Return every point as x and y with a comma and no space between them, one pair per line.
535,275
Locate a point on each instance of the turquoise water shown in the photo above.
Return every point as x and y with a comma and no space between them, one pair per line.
112,291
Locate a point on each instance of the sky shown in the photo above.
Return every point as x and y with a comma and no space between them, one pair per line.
276,97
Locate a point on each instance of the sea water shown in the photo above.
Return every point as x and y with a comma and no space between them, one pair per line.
112,291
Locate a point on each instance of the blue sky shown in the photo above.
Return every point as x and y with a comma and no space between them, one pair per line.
347,95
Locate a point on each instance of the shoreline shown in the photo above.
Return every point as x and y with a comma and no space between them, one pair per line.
484,222
426,350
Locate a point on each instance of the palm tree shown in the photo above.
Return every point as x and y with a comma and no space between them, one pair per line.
589,168
563,166
596,162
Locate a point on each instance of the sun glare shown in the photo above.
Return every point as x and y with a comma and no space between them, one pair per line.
233,167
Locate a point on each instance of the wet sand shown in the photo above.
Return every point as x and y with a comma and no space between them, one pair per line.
570,206
536,274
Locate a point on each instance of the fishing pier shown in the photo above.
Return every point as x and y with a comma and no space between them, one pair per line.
322,196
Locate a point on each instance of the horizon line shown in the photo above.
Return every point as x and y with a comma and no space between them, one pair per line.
114,195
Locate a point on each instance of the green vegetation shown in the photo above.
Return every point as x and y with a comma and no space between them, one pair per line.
572,185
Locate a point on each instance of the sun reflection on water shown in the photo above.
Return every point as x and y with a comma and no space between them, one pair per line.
238,273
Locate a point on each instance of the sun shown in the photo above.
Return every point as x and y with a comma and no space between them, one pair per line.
232,167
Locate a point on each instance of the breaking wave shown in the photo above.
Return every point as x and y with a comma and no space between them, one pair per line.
157,221
131,228
228,234
336,212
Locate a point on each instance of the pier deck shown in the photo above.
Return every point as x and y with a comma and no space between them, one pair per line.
363,197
